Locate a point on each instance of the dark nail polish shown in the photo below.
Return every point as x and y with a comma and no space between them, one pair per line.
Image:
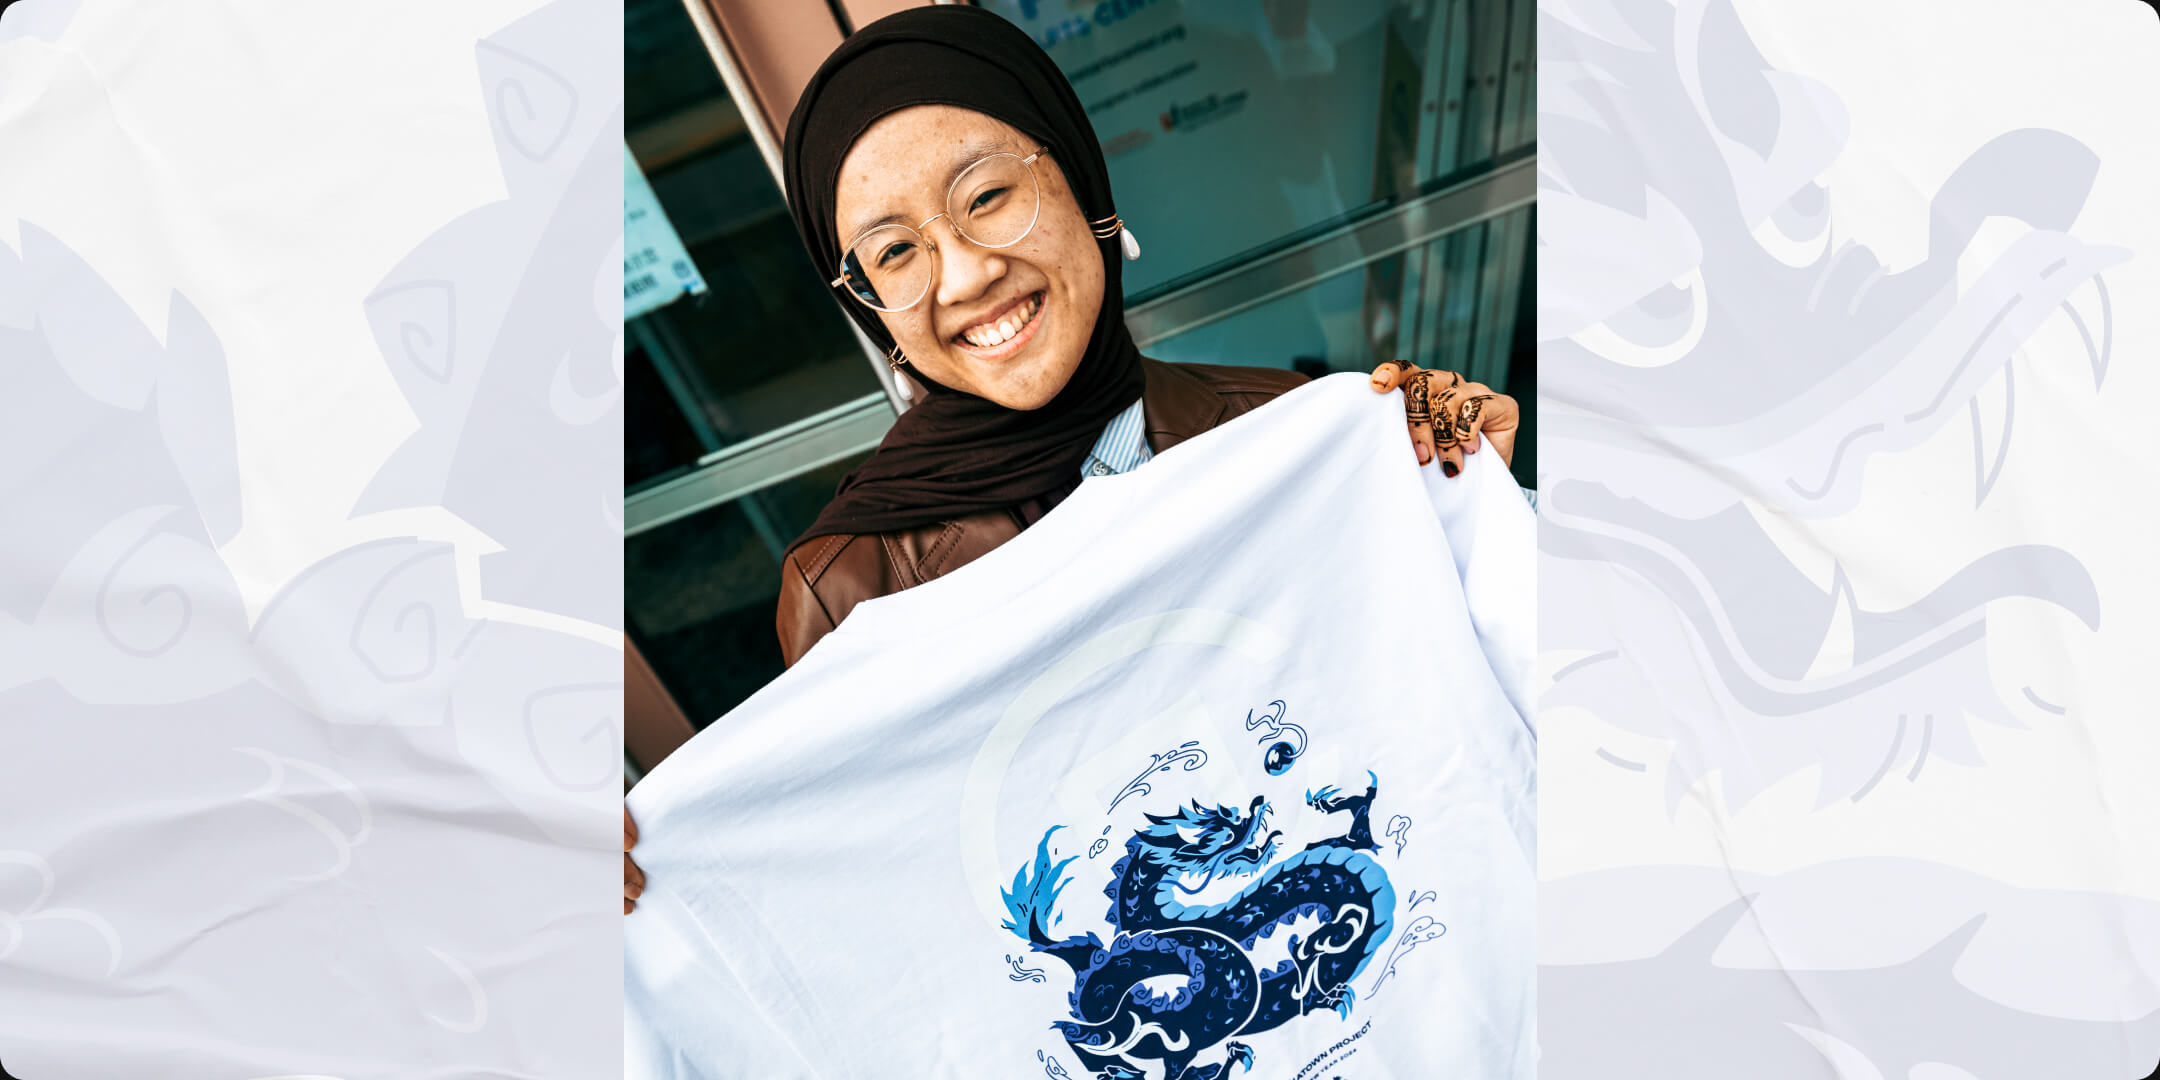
1450,468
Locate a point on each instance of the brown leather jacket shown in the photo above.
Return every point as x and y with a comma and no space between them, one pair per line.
824,579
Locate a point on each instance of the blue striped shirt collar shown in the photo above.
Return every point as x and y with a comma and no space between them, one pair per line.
1122,447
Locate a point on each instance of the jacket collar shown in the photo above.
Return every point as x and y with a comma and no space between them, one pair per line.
1178,405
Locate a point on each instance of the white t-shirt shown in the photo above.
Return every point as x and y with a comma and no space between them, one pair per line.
1224,765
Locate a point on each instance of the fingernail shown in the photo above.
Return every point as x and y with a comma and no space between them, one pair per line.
634,891
1450,468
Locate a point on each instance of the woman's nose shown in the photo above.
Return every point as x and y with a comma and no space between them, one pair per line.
965,271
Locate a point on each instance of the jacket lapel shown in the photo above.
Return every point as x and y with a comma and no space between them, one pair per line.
1176,405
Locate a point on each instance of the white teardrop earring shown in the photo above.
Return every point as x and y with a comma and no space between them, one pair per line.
1104,227
893,360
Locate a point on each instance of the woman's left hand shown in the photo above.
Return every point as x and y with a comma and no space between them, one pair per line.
1446,413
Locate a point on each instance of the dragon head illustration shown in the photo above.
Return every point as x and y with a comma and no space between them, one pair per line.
1222,841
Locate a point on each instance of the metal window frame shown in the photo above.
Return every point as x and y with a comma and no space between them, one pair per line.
1507,187
781,454
738,88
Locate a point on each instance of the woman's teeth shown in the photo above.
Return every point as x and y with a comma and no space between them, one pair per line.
991,335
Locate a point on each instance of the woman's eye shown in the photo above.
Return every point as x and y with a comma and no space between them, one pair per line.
894,254
987,199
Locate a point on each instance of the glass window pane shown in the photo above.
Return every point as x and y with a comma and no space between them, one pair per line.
658,442
766,344
1461,302
1229,127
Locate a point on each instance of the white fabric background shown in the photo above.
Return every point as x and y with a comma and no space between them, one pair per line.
1848,605
310,757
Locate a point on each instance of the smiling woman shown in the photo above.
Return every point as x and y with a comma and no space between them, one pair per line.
887,131
1321,188
942,171
948,184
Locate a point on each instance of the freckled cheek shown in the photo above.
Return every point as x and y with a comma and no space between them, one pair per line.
1058,252
911,331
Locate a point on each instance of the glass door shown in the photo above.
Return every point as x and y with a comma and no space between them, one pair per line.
749,392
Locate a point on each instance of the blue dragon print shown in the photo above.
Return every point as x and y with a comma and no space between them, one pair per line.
1178,980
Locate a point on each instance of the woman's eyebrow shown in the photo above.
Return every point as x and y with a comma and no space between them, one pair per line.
889,219
968,154
972,152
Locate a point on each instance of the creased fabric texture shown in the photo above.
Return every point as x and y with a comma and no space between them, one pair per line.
1851,739
1222,762
287,790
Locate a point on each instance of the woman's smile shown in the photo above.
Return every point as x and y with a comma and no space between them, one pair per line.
1005,332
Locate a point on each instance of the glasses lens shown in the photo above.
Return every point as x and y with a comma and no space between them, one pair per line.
995,201
888,268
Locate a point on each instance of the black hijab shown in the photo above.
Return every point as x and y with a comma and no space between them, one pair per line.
954,453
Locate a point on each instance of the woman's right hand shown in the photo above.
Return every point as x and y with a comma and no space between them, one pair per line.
1446,414
633,879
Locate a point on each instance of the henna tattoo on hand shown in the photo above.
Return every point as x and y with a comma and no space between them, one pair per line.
1466,425
1417,405
1442,408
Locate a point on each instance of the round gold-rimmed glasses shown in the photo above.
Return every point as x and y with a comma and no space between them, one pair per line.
993,203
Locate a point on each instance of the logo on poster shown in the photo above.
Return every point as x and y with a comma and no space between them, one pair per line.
1207,110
